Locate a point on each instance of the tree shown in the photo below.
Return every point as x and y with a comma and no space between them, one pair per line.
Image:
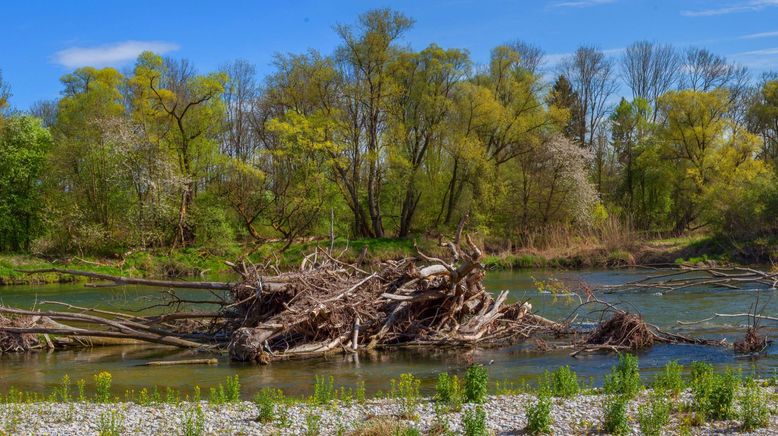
24,143
185,110
650,70
366,56
564,103
763,119
692,135
629,129
5,95
416,117
592,77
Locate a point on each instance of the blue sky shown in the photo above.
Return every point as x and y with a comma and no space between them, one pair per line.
42,40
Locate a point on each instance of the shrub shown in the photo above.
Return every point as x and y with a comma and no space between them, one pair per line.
266,400
103,387
323,390
654,416
474,422
753,406
312,424
539,414
232,389
670,379
81,386
194,421
476,384
699,371
64,389
624,379
615,417
714,394
563,382
111,423
448,391
406,392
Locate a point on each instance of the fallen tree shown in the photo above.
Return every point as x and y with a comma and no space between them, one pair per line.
325,306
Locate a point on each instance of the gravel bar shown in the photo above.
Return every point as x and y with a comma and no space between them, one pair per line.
505,416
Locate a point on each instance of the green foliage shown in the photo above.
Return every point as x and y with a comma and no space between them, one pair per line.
476,384
312,424
754,411
103,387
624,378
227,393
448,391
539,418
406,392
563,382
63,391
474,421
323,390
670,379
615,416
193,423
267,399
24,144
655,415
714,394
111,423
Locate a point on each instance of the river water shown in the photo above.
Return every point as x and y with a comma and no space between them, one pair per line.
519,364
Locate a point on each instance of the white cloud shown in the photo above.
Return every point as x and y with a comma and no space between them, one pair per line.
759,35
758,60
109,54
580,3
741,6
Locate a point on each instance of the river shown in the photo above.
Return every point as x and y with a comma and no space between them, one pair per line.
519,364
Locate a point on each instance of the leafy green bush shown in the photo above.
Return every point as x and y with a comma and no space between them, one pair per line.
323,390
670,379
615,417
624,378
111,423
406,392
654,416
754,411
476,384
714,394
448,391
266,400
103,387
563,382
474,422
194,421
539,415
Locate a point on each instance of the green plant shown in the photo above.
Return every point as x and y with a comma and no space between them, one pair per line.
670,379
266,400
476,384
323,390
539,414
714,394
474,422
624,378
232,389
563,382
360,392
111,423
615,417
81,386
699,371
194,421
406,392
754,411
64,389
448,391
312,424
654,416
103,387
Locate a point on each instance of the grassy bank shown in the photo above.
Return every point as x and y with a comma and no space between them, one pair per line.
199,262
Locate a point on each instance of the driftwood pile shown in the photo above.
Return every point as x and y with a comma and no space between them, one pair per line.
325,306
